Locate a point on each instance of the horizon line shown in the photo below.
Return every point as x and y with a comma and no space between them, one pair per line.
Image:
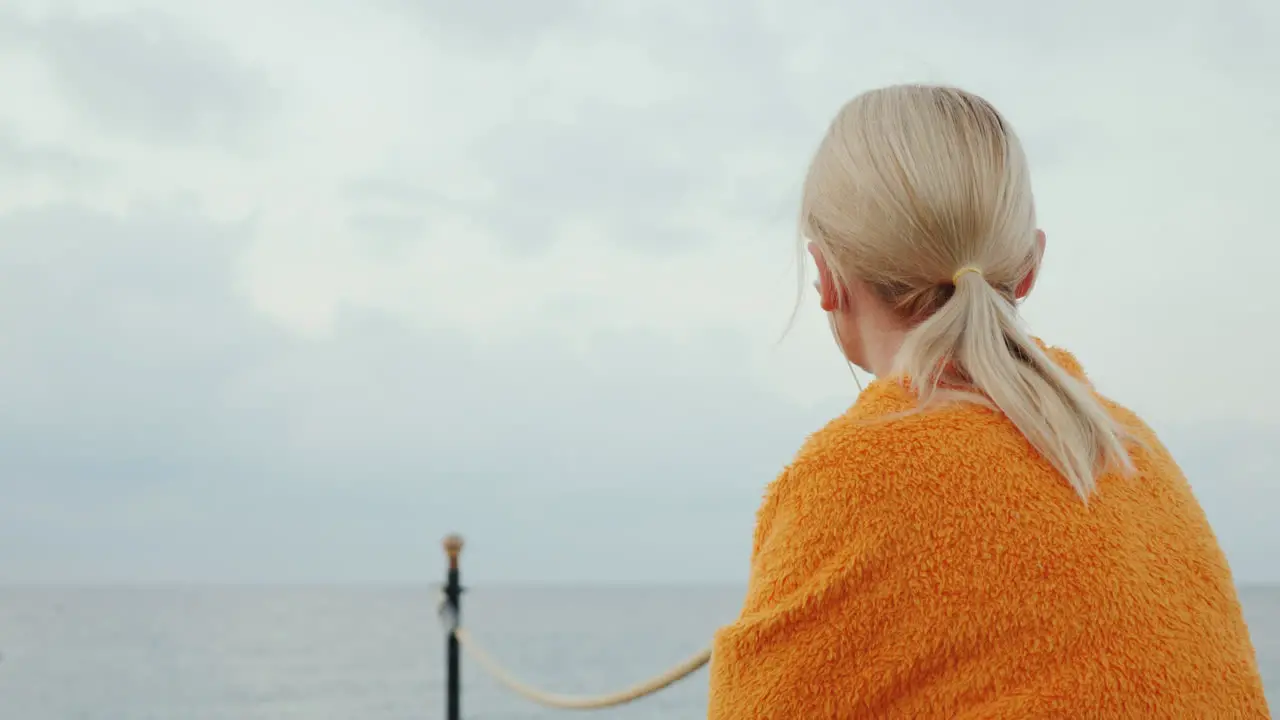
420,585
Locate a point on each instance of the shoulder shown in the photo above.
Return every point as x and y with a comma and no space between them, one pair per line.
885,436
884,447
1129,420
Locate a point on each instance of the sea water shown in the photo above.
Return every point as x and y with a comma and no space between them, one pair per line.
369,653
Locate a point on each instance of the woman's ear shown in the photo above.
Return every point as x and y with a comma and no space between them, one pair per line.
828,290
1028,282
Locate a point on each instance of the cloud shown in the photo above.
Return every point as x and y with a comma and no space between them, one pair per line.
147,403
34,167
612,172
520,272
118,336
149,76
504,25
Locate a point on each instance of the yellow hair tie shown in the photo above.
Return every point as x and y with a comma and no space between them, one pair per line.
955,279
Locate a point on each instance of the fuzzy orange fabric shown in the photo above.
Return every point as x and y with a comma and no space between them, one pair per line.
936,566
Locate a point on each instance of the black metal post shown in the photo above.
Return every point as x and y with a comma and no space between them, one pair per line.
452,596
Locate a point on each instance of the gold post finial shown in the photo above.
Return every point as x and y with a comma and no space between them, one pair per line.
453,548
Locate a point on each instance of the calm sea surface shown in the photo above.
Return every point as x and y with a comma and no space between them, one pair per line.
376,654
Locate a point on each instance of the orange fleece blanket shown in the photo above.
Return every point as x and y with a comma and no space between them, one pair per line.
935,566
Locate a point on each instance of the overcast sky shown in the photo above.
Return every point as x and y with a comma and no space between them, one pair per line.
290,289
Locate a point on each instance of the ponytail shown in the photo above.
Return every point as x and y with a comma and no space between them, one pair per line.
975,344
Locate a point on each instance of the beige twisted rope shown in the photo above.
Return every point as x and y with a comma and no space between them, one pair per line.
579,702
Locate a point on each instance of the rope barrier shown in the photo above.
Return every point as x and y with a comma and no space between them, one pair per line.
577,702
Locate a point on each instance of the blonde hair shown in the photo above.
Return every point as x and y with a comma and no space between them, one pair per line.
923,194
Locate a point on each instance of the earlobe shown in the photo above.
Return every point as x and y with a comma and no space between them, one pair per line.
1025,285
830,303
826,285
